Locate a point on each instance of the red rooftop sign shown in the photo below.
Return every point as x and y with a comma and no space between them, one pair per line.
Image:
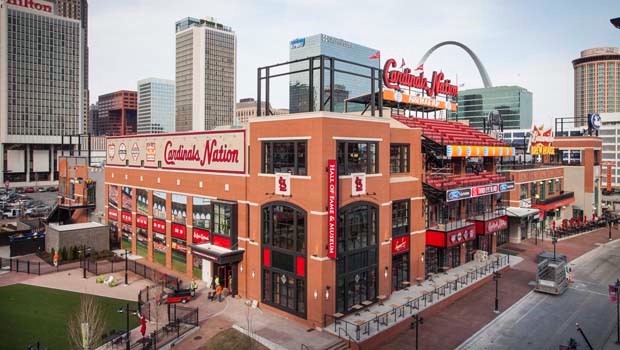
35,5
394,79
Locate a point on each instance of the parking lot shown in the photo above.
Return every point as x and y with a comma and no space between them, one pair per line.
36,204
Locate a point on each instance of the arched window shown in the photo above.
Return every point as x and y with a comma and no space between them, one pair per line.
356,271
284,257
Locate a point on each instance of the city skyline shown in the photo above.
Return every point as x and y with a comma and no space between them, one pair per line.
546,46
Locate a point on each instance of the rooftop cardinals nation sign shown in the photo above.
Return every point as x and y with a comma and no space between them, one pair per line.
394,79
541,140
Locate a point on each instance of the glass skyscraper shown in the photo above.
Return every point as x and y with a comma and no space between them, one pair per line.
155,106
514,104
345,85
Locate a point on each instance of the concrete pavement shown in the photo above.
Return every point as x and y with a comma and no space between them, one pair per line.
545,321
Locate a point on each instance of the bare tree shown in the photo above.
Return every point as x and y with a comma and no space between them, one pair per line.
85,329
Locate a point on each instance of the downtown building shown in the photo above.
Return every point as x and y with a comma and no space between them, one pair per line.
597,83
155,106
345,86
116,114
42,89
513,103
206,72
246,109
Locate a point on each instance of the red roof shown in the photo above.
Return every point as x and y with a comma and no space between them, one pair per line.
449,133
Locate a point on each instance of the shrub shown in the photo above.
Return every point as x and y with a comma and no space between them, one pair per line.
63,254
70,253
53,252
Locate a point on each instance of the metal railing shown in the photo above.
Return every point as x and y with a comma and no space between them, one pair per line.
397,313
33,267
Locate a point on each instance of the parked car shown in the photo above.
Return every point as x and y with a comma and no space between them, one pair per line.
11,213
29,190
19,190
180,296
37,211
53,189
42,189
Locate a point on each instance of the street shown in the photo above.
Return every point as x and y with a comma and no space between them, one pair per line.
542,321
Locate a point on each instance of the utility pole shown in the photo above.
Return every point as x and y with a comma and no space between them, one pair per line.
496,276
417,320
126,262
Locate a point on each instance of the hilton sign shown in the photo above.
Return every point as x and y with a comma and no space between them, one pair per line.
35,5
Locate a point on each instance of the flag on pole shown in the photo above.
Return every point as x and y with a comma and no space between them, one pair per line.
403,63
420,67
376,56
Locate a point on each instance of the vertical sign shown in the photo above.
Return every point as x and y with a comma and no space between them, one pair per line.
283,184
332,207
358,184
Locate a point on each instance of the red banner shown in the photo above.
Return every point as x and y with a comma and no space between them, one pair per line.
142,222
443,239
159,226
200,236
300,266
332,208
493,225
221,241
112,214
179,231
126,217
400,244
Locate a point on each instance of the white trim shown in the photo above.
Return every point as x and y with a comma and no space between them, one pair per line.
538,180
403,179
344,138
389,241
413,233
534,169
367,175
318,212
319,258
417,198
293,138
249,241
319,115
302,177
386,204
160,190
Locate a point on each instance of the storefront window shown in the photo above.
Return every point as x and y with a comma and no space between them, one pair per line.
284,157
283,257
179,208
356,270
357,157
431,261
399,158
222,219
113,196
550,187
400,270
159,205
524,192
201,212
533,186
127,200
400,217
142,201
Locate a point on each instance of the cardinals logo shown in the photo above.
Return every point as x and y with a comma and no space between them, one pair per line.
359,185
282,184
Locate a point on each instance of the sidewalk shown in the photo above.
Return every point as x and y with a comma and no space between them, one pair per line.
447,328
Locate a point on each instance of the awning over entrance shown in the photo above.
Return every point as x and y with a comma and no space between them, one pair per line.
552,206
217,254
517,212
444,239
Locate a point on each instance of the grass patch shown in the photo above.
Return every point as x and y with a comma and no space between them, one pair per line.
232,339
29,314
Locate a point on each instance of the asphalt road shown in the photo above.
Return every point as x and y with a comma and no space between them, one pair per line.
543,321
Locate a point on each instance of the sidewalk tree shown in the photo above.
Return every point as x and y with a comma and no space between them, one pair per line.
85,329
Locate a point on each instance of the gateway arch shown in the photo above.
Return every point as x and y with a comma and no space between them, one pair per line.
483,72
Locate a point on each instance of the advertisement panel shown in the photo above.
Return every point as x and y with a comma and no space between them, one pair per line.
358,184
400,244
142,201
159,205
332,208
478,191
210,151
453,151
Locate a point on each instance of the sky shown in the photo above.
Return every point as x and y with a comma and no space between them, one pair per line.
529,43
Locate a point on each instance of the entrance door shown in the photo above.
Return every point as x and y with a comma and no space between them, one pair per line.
207,271
400,270
224,273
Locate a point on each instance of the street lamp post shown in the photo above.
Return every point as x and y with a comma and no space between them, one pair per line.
127,310
609,224
417,320
584,336
83,254
126,262
496,276
618,310
554,240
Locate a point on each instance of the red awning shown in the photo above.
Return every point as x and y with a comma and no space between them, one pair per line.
552,206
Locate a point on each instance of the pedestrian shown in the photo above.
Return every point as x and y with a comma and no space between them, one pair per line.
217,281
218,292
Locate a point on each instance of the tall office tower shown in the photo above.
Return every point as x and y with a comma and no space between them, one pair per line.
117,114
513,103
93,114
345,86
155,106
78,9
597,82
206,56
41,84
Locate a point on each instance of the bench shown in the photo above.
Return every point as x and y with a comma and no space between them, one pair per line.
406,285
357,308
381,298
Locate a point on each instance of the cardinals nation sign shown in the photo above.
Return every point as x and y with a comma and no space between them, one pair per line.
541,140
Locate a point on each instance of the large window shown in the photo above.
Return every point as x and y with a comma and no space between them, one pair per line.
357,157
356,266
399,159
284,257
400,218
285,157
222,219
524,191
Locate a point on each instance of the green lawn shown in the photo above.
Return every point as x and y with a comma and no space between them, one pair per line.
232,339
29,314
